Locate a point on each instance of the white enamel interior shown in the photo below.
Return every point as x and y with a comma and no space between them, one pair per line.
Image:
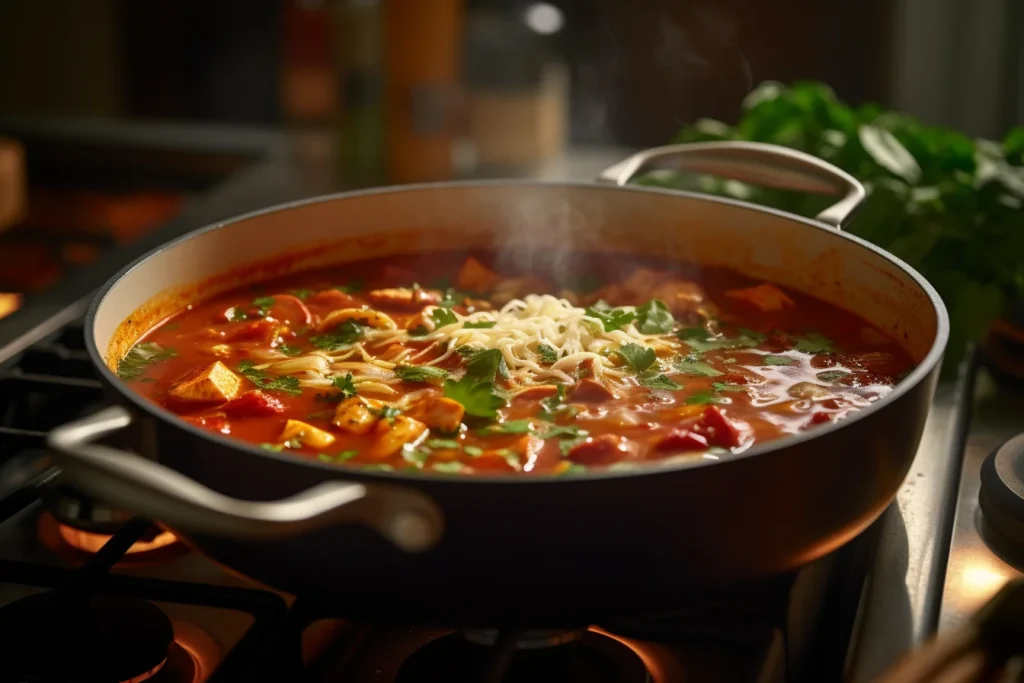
551,217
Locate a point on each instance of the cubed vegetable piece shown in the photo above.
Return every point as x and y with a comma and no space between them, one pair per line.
253,404
215,383
357,415
391,436
360,316
404,297
263,332
603,449
306,434
476,277
766,297
718,429
591,391
440,413
682,440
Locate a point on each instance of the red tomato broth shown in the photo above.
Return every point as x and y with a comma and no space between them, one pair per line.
730,397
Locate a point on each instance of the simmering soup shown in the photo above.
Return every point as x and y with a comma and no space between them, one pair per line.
473,364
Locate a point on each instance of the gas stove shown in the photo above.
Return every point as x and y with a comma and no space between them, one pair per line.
88,593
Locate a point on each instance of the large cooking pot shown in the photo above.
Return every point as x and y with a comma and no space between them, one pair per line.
490,550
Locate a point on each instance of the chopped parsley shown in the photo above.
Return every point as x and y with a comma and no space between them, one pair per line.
722,386
387,413
481,325
547,353
289,350
654,318
553,407
637,357
452,297
345,385
415,456
263,304
341,337
275,447
442,444
379,467
338,457
486,364
443,317
288,385
420,373
573,468
831,376
778,360
564,432
140,357
611,318
701,341
352,287
691,366
654,380
302,294
476,396
448,467
814,343
508,427
703,398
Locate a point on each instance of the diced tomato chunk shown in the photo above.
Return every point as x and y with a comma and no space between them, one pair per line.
682,440
820,418
603,449
253,404
591,390
718,429
217,422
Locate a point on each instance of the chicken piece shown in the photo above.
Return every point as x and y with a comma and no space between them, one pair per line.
263,332
681,296
439,413
306,434
591,390
405,297
253,403
603,449
357,415
213,384
391,436
361,316
476,277
516,288
766,297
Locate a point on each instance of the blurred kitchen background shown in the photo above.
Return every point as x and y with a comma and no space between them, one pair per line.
362,92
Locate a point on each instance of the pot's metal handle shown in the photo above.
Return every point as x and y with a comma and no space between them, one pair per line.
405,517
751,162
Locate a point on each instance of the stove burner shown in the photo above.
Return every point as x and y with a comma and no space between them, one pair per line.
1002,490
523,658
73,543
64,637
524,640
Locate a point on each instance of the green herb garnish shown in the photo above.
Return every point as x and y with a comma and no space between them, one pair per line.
140,357
722,386
481,325
702,398
448,467
486,365
508,427
442,444
420,373
654,318
697,368
352,287
637,357
263,304
387,413
452,297
419,331
275,447
654,380
830,376
778,360
814,343
236,315
301,293
701,341
573,469
473,451
611,318
289,350
287,385
345,385
341,337
477,396
564,432
547,353
443,317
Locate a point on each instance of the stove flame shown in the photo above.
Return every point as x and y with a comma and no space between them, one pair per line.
9,303
88,542
72,543
148,675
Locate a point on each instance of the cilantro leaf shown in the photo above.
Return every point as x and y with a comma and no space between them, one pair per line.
452,297
289,350
453,467
288,385
475,395
701,341
264,303
341,337
485,365
564,432
554,407
611,318
637,357
442,444
654,318
420,373
702,398
140,357
654,380
442,317
481,325
547,353
387,413
344,384
722,386
697,368
778,360
508,427
573,468
814,343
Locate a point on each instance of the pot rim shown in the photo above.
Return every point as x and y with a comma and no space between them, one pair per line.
917,375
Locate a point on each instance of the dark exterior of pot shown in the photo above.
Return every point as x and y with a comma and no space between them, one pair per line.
575,551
